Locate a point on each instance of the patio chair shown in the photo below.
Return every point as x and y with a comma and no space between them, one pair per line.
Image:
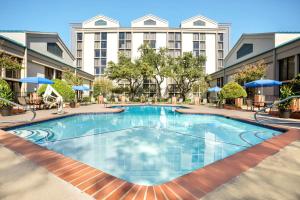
149,100
116,100
105,102
249,103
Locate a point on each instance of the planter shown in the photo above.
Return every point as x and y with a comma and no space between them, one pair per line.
197,100
284,113
100,99
173,100
258,100
6,111
123,99
295,106
72,105
238,102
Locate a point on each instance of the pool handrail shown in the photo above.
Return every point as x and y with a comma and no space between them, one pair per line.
272,105
26,108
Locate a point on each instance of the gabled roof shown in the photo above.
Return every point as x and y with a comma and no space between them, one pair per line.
150,16
101,17
199,17
245,35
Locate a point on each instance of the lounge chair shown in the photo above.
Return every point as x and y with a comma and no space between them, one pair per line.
22,101
105,102
180,100
116,100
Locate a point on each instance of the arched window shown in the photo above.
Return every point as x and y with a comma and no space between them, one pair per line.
100,23
199,23
150,22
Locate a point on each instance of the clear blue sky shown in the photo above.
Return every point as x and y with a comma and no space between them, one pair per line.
245,16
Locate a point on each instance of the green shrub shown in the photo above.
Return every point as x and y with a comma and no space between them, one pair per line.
285,92
5,92
65,90
233,90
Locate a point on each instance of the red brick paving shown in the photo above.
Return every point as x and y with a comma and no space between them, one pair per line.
190,186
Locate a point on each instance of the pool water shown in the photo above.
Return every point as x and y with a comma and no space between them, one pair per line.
146,145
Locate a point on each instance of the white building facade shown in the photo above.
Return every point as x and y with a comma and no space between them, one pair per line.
98,40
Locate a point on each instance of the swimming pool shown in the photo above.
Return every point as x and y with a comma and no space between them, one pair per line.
146,145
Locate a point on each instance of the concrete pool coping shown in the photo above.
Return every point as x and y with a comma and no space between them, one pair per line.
190,186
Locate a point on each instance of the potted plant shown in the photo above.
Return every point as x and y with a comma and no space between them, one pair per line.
5,93
232,92
284,107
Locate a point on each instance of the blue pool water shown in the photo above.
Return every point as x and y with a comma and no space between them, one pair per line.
146,145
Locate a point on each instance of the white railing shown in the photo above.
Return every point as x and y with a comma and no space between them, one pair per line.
272,105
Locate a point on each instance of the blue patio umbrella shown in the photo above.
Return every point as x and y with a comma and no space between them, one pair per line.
263,83
80,88
214,89
36,80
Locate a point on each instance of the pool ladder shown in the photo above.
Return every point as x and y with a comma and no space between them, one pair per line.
26,108
271,106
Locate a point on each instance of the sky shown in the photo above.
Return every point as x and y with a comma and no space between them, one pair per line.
251,16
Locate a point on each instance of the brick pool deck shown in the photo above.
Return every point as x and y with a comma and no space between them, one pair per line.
194,185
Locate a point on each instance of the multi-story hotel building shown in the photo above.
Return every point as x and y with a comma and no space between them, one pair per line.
98,40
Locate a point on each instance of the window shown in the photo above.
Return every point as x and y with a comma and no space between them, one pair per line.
287,68
125,43
220,54
49,72
54,49
199,44
174,44
12,73
150,39
97,53
220,37
79,53
103,44
199,23
103,36
220,82
150,22
103,52
79,45
79,36
79,62
220,45
244,50
100,23
58,75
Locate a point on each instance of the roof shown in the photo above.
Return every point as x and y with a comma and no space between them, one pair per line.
277,47
100,16
150,16
21,45
199,16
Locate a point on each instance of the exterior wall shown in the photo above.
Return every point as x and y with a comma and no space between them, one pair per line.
16,36
260,45
187,44
39,44
112,47
137,41
161,40
210,53
88,53
34,70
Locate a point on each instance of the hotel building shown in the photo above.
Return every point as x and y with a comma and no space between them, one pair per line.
98,40
41,54
280,51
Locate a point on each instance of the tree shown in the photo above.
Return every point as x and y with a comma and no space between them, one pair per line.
156,63
102,86
186,70
9,62
127,70
251,72
201,86
72,78
5,93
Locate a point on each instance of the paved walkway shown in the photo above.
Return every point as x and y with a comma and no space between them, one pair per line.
21,179
277,177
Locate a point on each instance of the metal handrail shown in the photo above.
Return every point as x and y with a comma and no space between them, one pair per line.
272,105
18,105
